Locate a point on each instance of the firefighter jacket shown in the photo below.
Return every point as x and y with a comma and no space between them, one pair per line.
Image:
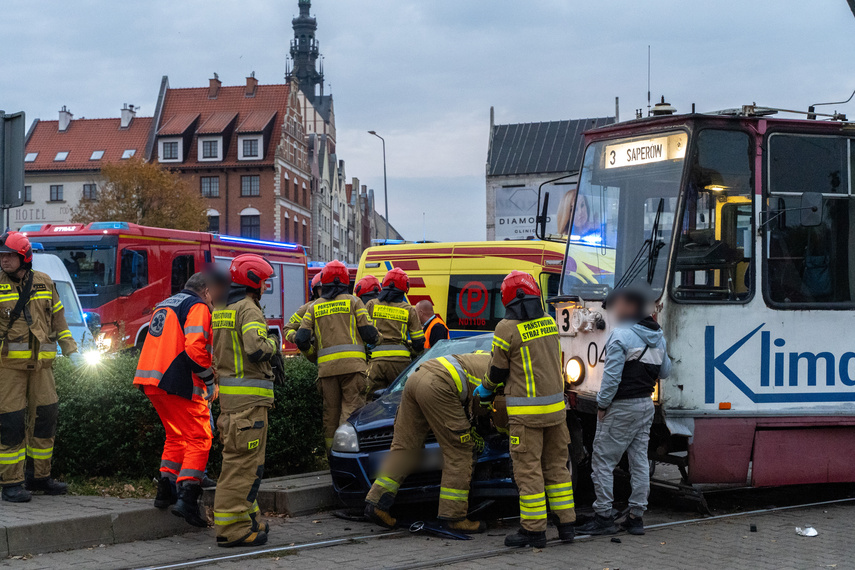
176,355
293,325
342,328
34,336
464,372
527,360
394,321
242,351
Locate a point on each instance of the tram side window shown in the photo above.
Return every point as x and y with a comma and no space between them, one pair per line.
810,265
714,251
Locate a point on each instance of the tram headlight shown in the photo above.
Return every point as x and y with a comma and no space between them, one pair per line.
575,371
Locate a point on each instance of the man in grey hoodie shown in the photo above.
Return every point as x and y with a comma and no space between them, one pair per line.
635,358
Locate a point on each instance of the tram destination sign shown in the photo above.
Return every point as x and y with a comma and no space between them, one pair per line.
646,151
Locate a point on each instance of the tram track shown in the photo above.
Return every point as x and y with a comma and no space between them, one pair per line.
489,553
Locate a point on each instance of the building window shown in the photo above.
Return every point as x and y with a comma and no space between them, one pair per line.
97,155
210,149
210,186
169,151
90,191
31,157
28,193
250,227
297,232
250,148
250,185
214,224
305,233
61,156
285,229
129,153
56,192
286,189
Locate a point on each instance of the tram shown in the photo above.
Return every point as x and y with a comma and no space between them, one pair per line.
743,224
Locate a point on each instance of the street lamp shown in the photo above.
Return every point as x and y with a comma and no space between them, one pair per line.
385,187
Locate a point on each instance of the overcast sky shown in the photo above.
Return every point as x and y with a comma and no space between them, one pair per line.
424,73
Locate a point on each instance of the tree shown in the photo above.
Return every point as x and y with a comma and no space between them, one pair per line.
144,193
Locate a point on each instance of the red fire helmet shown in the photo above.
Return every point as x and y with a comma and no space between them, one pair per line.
250,270
15,242
316,280
366,285
398,278
516,282
334,270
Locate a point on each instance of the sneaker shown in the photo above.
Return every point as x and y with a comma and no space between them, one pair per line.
525,537
47,485
566,532
379,517
166,493
633,525
187,506
255,538
466,526
16,494
599,525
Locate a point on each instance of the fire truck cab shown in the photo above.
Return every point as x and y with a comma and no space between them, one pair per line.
122,271
743,224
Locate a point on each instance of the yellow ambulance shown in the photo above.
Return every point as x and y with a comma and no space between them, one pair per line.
463,279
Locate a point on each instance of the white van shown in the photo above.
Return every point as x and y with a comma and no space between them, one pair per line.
53,266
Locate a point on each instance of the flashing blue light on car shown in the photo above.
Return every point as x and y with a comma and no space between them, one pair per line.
31,228
258,242
109,226
37,246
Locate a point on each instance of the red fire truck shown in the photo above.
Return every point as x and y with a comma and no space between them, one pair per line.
121,271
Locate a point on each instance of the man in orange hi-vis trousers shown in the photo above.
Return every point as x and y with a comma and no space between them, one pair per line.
176,372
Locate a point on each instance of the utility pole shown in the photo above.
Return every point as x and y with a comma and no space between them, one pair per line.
385,187
11,163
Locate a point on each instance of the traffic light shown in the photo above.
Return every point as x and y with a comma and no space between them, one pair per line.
11,160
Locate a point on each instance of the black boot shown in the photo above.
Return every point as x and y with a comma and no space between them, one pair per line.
566,532
633,525
599,525
16,494
47,485
167,493
187,506
525,537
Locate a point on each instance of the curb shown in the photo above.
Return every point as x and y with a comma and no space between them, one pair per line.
293,495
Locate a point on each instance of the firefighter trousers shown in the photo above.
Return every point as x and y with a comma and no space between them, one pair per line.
188,435
429,403
244,435
28,413
343,394
381,373
539,456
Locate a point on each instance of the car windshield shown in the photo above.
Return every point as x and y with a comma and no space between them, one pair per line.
73,313
624,214
444,348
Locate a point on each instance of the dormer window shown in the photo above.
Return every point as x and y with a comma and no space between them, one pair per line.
31,157
97,155
170,150
128,153
210,148
60,156
250,147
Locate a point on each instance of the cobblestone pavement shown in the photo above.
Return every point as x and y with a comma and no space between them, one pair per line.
714,544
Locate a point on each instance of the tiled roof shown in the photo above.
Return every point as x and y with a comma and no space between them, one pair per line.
539,148
256,121
81,139
177,124
270,101
216,123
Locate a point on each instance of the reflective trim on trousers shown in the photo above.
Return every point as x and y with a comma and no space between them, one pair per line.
533,506
341,351
246,387
388,484
225,519
454,494
536,405
457,373
560,496
13,457
170,465
36,453
191,474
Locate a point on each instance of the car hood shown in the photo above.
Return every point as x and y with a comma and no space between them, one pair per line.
377,414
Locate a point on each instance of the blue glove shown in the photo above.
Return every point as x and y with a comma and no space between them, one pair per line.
485,395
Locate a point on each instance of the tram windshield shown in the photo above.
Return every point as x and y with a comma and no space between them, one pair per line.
623,220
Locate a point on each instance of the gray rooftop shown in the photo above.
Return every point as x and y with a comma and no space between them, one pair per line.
539,148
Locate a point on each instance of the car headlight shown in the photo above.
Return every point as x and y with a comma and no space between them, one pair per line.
345,439
92,357
575,371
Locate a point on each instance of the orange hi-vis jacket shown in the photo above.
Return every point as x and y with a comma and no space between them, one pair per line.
177,356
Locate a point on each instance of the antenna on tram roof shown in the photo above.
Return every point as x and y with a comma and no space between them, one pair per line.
648,80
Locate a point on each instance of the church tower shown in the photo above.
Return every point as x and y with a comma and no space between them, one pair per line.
305,53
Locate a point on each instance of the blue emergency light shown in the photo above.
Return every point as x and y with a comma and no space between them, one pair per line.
258,242
31,228
109,226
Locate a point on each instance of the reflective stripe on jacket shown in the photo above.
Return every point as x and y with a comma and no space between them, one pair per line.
335,324
397,323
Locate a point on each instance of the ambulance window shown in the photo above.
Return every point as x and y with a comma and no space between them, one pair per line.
134,271
475,302
714,248
183,266
810,263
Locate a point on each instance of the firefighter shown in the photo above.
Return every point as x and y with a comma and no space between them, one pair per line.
243,352
395,320
293,324
340,323
367,289
175,371
437,397
527,362
32,323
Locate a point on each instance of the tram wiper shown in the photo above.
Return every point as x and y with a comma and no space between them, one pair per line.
647,254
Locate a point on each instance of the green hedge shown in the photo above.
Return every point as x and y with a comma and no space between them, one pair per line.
109,428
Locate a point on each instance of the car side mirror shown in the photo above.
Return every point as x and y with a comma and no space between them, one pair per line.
811,209
379,393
